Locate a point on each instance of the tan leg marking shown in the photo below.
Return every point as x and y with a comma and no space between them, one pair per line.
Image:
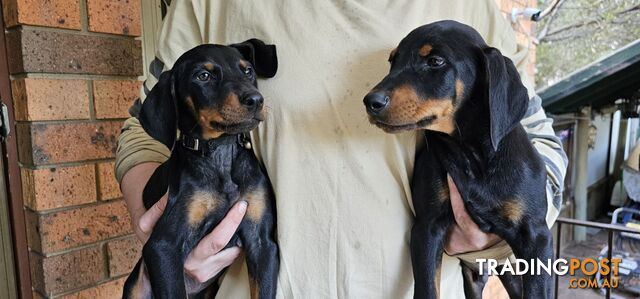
254,288
257,204
512,210
200,205
142,288
425,50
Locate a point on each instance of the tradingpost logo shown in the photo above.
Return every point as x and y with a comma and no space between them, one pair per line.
562,267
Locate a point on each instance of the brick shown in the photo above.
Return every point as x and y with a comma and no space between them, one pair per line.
118,17
81,226
109,187
47,99
112,98
108,290
47,143
522,39
505,6
58,187
508,5
525,26
48,13
69,271
37,51
123,255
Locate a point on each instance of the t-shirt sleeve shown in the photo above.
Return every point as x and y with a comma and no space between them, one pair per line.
181,30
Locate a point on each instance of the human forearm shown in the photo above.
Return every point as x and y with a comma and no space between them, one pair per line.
132,185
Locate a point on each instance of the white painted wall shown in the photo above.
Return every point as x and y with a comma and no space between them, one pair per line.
597,157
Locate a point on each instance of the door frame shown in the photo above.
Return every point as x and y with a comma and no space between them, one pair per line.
8,286
13,182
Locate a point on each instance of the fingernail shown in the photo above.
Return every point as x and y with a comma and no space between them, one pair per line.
242,206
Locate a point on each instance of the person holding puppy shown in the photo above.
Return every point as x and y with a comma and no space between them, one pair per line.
342,189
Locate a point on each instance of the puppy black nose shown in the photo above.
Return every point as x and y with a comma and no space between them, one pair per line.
376,102
252,100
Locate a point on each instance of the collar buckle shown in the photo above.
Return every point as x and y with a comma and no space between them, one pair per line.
191,143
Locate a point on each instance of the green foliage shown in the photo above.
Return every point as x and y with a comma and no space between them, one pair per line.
580,32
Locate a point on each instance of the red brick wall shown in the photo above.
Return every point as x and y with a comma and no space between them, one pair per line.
524,28
74,67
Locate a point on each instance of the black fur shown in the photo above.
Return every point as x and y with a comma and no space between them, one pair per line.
499,174
211,90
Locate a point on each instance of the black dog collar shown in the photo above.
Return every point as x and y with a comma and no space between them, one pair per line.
206,146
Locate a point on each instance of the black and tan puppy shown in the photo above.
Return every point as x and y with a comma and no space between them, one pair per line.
469,100
211,96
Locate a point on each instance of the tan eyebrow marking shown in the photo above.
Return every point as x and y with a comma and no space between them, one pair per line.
425,50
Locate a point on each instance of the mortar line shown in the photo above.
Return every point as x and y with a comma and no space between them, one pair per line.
83,246
77,32
72,207
84,16
64,164
70,76
68,121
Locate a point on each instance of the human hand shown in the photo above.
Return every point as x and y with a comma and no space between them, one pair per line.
464,234
493,289
147,220
208,258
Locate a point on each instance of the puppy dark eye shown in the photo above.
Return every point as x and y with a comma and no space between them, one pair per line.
248,71
435,61
204,76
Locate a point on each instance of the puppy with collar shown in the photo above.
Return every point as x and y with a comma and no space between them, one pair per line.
211,96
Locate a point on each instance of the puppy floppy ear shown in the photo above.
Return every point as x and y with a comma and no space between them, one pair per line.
507,96
263,57
158,115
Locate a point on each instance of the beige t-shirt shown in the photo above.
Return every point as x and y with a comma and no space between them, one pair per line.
342,186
